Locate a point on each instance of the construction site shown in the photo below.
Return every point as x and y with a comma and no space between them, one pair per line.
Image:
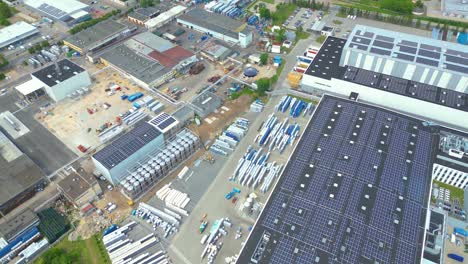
80,121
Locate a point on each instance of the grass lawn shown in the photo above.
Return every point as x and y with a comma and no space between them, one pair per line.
321,39
282,13
307,100
455,193
89,251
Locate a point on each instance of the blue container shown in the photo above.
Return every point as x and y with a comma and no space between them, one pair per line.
123,97
110,229
456,257
460,231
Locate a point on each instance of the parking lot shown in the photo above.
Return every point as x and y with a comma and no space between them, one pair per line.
304,17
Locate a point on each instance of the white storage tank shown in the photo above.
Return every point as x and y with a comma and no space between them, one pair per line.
132,180
158,170
152,173
168,162
136,186
173,159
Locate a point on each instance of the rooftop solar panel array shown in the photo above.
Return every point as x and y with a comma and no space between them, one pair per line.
326,66
354,191
126,145
163,121
428,52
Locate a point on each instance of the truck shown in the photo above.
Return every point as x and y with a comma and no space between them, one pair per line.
134,96
203,226
110,229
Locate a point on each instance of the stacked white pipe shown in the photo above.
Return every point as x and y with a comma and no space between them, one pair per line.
174,199
226,143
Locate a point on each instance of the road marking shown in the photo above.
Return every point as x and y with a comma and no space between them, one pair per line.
186,179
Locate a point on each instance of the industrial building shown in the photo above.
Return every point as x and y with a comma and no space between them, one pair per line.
98,36
455,8
20,177
67,12
325,74
165,17
356,189
206,103
434,246
12,226
116,159
80,188
59,80
141,15
419,59
451,164
15,33
217,26
147,59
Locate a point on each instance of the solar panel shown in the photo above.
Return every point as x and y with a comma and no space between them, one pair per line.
427,61
166,123
404,57
457,68
360,209
383,44
380,51
385,38
458,60
430,54
430,47
407,49
409,43
361,40
358,46
457,53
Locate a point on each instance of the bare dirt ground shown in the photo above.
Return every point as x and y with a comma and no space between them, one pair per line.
222,118
70,120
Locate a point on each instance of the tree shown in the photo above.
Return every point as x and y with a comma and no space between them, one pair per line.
265,13
31,50
264,59
399,6
263,85
280,35
2,76
5,11
25,63
146,3
45,44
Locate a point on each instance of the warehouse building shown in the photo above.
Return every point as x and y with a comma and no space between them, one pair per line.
165,17
356,189
98,36
326,75
59,81
148,60
80,188
217,26
16,32
455,8
206,103
19,177
424,60
141,15
12,226
67,12
115,160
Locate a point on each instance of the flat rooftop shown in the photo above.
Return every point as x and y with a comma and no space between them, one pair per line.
214,22
17,176
12,225
445,56
57,9
126,145
326,65
51,76
355,190
144,14
15,32
435,236
75,184
92,36
139,66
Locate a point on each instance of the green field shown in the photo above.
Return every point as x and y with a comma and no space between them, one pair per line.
283,11
89,251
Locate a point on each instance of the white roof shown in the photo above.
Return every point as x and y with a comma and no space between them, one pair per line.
30,86
67,6
14,32
163,17
79,14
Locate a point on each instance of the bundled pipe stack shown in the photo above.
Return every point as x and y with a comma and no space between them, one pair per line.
297,106
134,117
166,220
257,106
253,168
174,199
157,167
277,135
226,143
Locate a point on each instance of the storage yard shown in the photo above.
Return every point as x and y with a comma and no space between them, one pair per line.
214,203
80,121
